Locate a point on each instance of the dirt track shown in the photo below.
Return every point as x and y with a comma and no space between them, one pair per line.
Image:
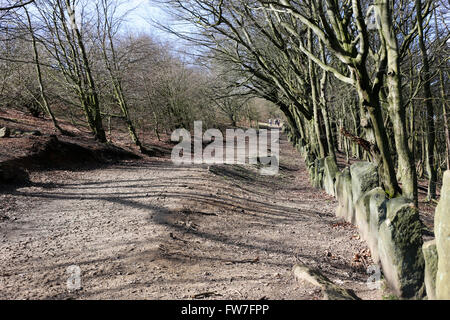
151,230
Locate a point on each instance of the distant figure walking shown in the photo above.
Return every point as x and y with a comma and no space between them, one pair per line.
270,122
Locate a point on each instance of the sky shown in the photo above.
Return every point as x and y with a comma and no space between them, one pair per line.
139,20
145,10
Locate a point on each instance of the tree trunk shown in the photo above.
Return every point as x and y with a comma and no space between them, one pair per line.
396,106
45,104
93,101
370,103
313,84
446,125
444,103
430,127
324,108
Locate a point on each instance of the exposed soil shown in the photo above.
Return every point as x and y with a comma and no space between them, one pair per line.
46,148
147,229
143,228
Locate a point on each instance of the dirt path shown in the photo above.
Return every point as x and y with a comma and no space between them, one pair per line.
156,231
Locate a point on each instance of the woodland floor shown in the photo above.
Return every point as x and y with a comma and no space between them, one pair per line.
147,229
152,230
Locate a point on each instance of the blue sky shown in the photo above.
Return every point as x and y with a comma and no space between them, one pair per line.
145,10
140,19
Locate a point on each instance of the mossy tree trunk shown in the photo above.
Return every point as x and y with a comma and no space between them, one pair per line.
396,107
45,104
314,98
370,103
444,102
324,107
430,121
106,35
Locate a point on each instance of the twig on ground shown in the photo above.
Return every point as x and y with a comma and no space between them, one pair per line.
250,261
205,295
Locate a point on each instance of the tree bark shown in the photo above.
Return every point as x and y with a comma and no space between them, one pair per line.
396,106
324,108
315,102
430,127
45,104
370,103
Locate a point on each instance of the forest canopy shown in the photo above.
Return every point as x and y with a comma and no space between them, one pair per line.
368,78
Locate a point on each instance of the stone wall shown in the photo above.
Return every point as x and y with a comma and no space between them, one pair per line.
437,252
391,227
